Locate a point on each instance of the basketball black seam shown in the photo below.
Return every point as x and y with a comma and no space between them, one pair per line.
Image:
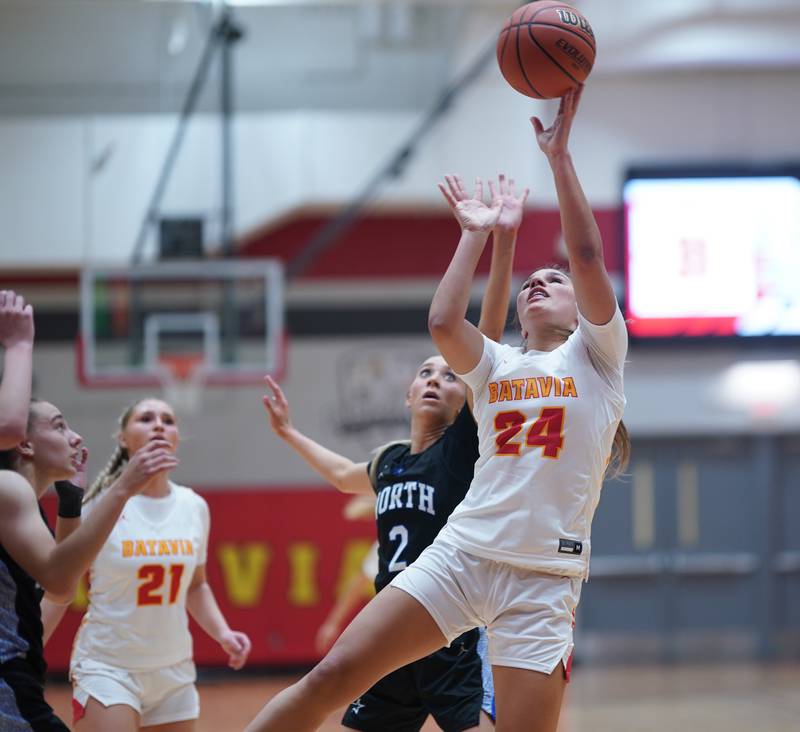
542,49
580,35
505,43
524,73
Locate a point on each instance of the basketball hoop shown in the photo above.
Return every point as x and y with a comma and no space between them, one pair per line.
182,377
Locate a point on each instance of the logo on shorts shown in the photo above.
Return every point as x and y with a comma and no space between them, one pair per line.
568,546
357,705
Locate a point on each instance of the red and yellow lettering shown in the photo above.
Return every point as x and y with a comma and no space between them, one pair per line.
152,576
492,392
244,570
518,384
569,387
545,385
505,391
531,390
127,548
547,432
303,577
509,424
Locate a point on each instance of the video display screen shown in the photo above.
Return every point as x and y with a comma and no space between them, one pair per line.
712,255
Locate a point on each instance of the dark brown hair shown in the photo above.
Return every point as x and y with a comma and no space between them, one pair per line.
8,458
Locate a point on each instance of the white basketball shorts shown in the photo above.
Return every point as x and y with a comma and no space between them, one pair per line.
528,615
161,696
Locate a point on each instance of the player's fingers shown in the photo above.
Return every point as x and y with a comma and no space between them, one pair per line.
537,125
503,183
462,189
453,185
478,189
493,191
525,195
447,196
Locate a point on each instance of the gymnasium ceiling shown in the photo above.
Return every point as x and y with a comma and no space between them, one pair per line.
138,56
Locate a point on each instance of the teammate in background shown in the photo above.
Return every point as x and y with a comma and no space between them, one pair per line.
418,483
131,664
514,552
16,337
32,562
360,585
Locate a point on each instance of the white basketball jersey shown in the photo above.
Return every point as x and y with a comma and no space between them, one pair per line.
138,583
546,424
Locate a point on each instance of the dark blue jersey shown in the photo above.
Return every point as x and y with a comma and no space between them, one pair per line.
416,493
20,617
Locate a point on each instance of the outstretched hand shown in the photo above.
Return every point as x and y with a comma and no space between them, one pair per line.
277,407
471,212
16,319
553,140
512,206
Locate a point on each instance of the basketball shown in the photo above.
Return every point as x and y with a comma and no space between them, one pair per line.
545,49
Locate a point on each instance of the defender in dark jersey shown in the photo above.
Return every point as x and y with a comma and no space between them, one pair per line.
32,562
417,484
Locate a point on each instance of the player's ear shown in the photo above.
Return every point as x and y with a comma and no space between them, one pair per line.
25,449
408,398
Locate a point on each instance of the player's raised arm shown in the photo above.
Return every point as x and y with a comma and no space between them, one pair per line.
341,472
457,339
593,290
494,306
16,337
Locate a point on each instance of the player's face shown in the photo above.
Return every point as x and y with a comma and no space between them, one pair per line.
547,300
150,419
54,446
436,389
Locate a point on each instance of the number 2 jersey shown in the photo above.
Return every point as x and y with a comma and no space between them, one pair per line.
546,424
138,583
417,492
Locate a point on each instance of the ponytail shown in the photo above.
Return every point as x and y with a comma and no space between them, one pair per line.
116,463
620,452
111,471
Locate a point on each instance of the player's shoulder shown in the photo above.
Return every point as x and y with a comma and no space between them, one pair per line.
189,496
15,490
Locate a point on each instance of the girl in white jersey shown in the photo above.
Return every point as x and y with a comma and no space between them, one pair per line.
131,664
513,554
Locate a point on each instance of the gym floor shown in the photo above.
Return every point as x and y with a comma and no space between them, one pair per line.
696,698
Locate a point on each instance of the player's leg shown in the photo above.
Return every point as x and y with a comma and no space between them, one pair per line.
99,718
530,643
392,630
104,697
528,701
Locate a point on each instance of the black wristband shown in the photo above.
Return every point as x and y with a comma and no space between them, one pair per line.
70,499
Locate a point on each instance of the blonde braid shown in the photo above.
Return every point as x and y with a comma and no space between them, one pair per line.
117,462
111,471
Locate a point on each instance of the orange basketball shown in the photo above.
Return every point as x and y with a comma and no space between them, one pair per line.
545,49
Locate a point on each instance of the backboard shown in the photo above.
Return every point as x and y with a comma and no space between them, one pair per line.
225,318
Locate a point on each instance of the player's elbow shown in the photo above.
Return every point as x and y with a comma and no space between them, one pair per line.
441,325
57,583
62,598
